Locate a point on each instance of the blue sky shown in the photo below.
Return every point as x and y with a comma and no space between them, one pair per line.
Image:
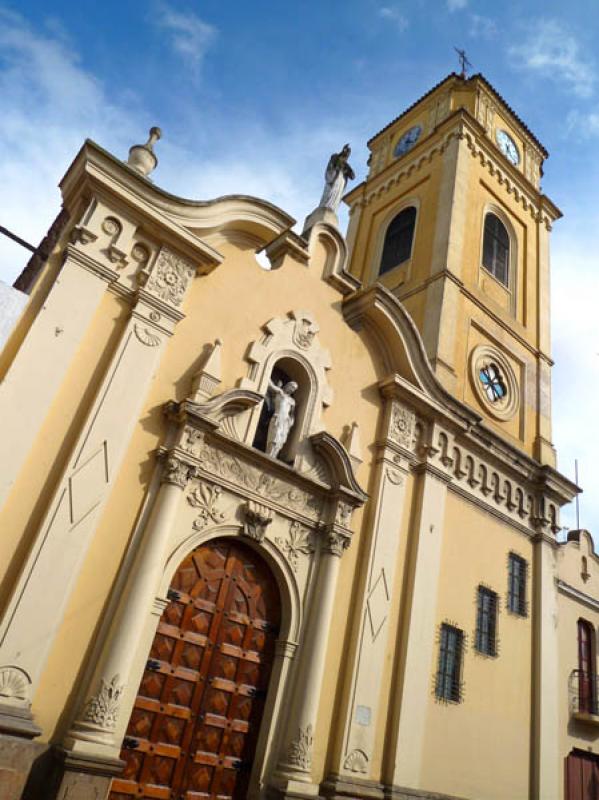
252,97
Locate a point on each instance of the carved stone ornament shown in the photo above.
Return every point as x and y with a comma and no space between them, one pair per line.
257,519
305,330
300,750
145,335
299,543
169,277
102,709
14,685
176,472
343,515
402,425
356,761
191,440
206,497
217,462
336,543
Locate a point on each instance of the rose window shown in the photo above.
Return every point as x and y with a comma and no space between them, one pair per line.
492,382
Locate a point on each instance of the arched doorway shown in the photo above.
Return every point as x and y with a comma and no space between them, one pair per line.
195,722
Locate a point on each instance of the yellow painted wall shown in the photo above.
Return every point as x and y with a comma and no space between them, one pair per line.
488,732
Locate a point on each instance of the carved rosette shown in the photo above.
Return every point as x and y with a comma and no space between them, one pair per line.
102,709
402,425
169,277
206,498
299,543
176,472
300,750
257,520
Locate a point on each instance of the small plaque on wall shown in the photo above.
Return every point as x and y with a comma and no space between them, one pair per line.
363,715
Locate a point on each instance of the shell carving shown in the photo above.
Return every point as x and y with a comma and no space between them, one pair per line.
14,684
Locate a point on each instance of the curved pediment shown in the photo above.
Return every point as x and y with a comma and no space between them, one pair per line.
398,339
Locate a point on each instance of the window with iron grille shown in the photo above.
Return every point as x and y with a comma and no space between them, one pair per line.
496,248
516,591
486,621
451,644
397,247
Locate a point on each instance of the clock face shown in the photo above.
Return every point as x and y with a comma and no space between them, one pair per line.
508,147
407,141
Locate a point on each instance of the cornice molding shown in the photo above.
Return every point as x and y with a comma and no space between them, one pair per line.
463,126
575,594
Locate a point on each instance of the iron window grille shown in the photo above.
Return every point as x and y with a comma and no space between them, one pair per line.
397,247
496,248
486,621
516,593
451,645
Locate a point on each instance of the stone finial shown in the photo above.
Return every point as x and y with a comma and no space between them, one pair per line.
142,157
209,376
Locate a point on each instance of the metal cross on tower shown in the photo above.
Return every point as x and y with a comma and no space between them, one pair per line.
464,63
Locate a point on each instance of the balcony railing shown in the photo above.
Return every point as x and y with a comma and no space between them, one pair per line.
582,693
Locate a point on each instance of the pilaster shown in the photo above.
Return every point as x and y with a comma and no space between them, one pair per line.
362,708
62,541
545,734
417,640
293,774
45,355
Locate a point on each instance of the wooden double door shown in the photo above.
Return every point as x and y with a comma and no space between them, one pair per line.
194,726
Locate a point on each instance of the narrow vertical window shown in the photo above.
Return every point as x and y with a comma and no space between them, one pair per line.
486,621
398,240
496,248
516,593
447,685
587,696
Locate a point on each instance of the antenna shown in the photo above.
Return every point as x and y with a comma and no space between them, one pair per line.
577,500
464,63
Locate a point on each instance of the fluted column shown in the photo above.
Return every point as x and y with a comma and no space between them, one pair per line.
102,720
293,773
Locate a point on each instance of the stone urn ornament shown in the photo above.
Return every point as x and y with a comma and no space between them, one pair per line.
142,157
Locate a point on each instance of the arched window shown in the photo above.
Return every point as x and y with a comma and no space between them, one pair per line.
496,248
398,240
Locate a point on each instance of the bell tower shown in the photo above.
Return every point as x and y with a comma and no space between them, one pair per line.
451,220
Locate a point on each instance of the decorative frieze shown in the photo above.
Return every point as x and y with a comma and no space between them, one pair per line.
299,543
102,709
257,519
248,477
206,497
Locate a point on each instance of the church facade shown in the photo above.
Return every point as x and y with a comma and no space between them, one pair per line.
292,532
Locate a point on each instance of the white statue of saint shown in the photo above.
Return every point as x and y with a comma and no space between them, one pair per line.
336,176
283,418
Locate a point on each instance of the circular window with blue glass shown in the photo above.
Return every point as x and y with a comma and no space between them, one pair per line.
494,381
407,141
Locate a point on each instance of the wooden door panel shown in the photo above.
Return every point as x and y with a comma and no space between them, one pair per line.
194,726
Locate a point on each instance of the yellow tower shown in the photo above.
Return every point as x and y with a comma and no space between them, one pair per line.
452,220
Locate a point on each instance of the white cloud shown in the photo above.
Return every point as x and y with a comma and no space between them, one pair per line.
456,5
51,104
552,52
482,27
189,35
583,124
576,353
393,14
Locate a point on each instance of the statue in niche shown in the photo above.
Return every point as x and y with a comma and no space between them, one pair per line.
280,397
336,176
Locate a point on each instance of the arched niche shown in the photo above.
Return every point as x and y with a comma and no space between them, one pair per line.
290,348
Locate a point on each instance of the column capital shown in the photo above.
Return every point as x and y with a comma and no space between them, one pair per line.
176,470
